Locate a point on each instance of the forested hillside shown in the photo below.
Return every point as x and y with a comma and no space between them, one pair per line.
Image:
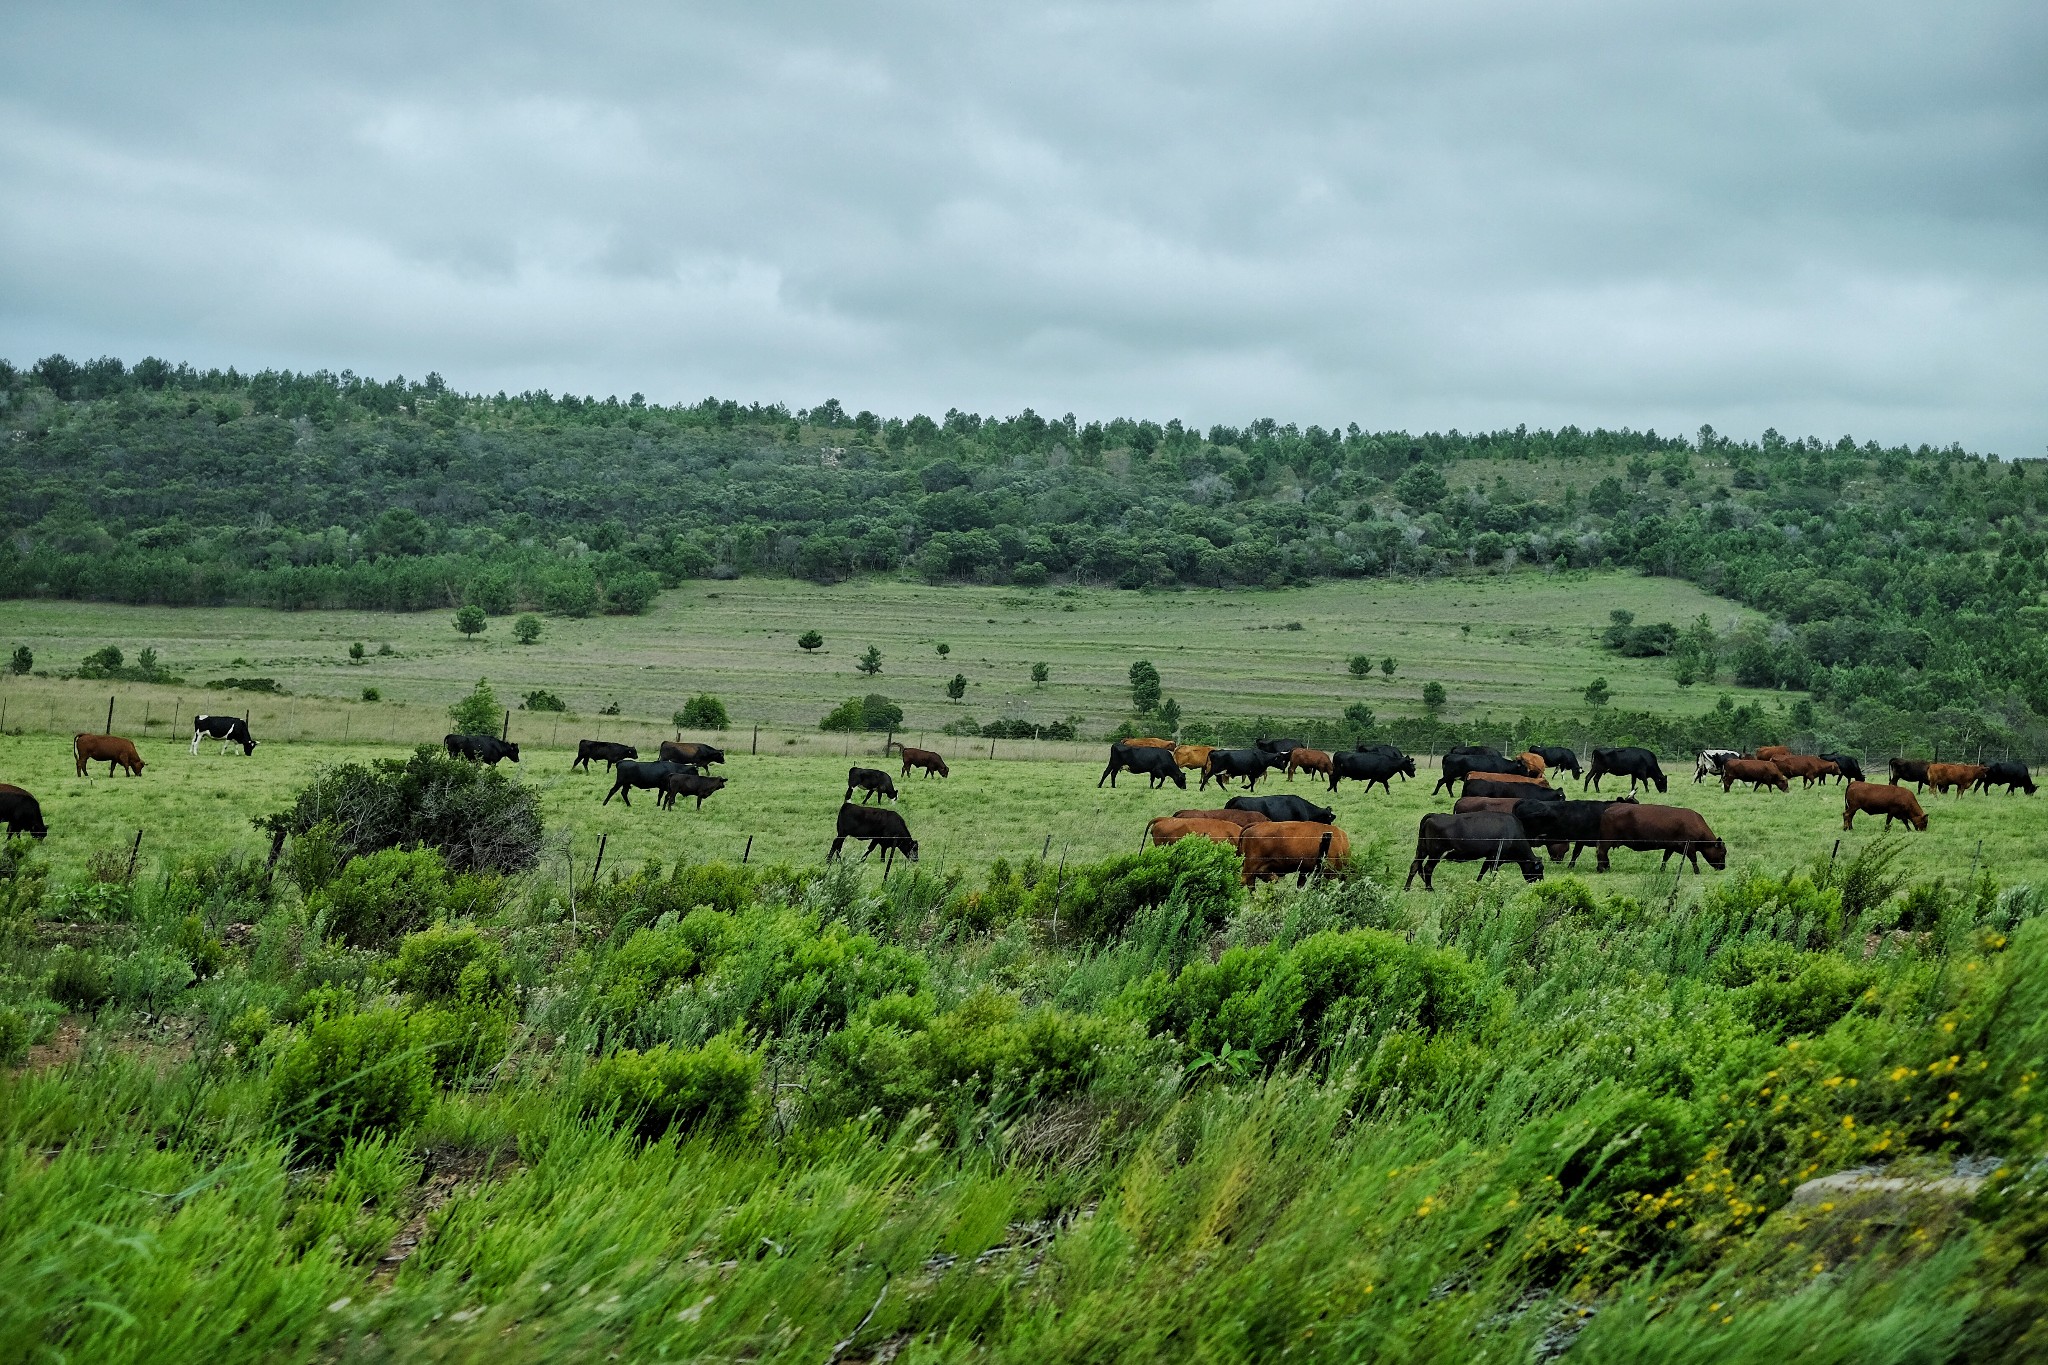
1905,578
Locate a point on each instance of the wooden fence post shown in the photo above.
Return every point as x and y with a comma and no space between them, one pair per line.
748,852
132,852
755,747
506,733
110,717
598,866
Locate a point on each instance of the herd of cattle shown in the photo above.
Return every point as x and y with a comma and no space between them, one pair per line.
1505,807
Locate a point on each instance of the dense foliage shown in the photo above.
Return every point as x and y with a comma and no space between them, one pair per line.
1904,578
475,817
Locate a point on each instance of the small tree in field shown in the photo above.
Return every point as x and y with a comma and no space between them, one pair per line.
1598,693
944,649
810,640
870,663
1434,698
1040,673
479,712
471,620
1144,687
526,630
22,661
704,712
1387,667
1361,667
957,688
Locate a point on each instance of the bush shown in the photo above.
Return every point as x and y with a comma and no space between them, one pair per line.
872,712
199,950
17,1031
526,630
708,1089
643,968
347,1074
447,962
704,712
378,898
150,979
471,620
372,694
540,699
476,817
1098,902
631,594
78,980
478,713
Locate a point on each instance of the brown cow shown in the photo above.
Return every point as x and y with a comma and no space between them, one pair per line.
931,761
1808,767
1193,757
1307,760
1298,846
1767,752
1757,772
1168,829
1671,829
1881,798
111,749
1516,778
1961,776
1149,743
1242,818
1533,762
1504,805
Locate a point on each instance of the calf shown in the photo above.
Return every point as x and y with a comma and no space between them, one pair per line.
1961,776
229,730
1710,762
1669,829
1489,838
1557,758
481,748
1881,798
1249,764
1303,848
868,782
1369,767
1306,761
112,750
2008,776
1846,768
883,829
929,761
1284,808
1637,765
21,813
690,783
1171,829
630,773
605,752
690,752
1758,772
1155,764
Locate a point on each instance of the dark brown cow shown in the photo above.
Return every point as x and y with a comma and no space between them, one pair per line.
1499,805
1669,829
1961,776
21,813
1807,767
1881,798
690,752
1301,847
109,749
1242,818
930,760
1758,772
1168,829
1307,760
1514,778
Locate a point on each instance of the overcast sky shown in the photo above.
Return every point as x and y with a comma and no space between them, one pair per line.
1824,217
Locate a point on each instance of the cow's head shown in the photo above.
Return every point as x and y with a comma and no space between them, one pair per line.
910,849
512,751
1323,814
1716,854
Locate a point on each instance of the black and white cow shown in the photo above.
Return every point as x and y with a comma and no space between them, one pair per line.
229,730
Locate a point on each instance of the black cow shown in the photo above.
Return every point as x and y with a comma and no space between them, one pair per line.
1565,826
1370,768
1279,748
1518,791
691,783
1912,770
1557,758
1846,767
481,748
1459,766
1637,765
686,751
883,829
1488,838
1249,764
229,730
602,750
630,773
1390,751
869,782
1156,764
2007,775
20,813
1283,808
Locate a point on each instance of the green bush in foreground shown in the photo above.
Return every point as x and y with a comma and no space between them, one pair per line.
348,1074
475,816
707,1089
379,898
79,980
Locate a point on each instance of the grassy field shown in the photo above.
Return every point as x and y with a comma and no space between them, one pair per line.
1496,642
1008,807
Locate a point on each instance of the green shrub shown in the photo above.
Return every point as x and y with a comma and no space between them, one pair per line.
704,712
79,981
200,950
478,819
1615,1144
478,713
643,968
707,1089
631,902
376,899
446,962
150,979
540,699
17,1031
468,1034
1098,902
872,712
348,1074
246,1032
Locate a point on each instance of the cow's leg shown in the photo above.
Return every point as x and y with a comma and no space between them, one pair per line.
1600,857
832,854
195,742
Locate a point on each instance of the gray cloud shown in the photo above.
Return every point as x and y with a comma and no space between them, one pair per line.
1823,218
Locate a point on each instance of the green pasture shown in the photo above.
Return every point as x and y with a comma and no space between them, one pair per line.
1006,807
1498,643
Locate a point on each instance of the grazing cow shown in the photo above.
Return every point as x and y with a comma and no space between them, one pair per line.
604,751
20,813
2008,776
930,761
1468,805
1279,748
1249,764
1912,770
1301,847
1370,766
1171,829
1488,838
868,782
1757,772
1284,808
1807,767
109,749
1498,785
630,773
1881,798
1155,764
481,748
687,784
1710,762
1306,761
1192,756
883,829
1961,776
1240,818
1669,829
1637,765
229,730
1459,766
690,752
1846,768
1533,763
1558,758
1563,826
1767,752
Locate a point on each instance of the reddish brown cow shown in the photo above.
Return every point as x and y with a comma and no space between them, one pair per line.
933,763
1169,829
1669,829
1533,761
1881,798
1193,757
1514,778
1504,805
110,749
1298,846
1149,743
1244,819
1961,776
1758,772
1307,760
1807,767
1767,752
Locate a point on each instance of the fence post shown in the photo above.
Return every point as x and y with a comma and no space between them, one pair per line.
598,866
110,717
755,747
134,850
748,852
506,733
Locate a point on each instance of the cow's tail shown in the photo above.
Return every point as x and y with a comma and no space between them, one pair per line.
1146,837
889,744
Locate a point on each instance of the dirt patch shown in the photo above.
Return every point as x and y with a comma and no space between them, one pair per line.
447,1171
65,1045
